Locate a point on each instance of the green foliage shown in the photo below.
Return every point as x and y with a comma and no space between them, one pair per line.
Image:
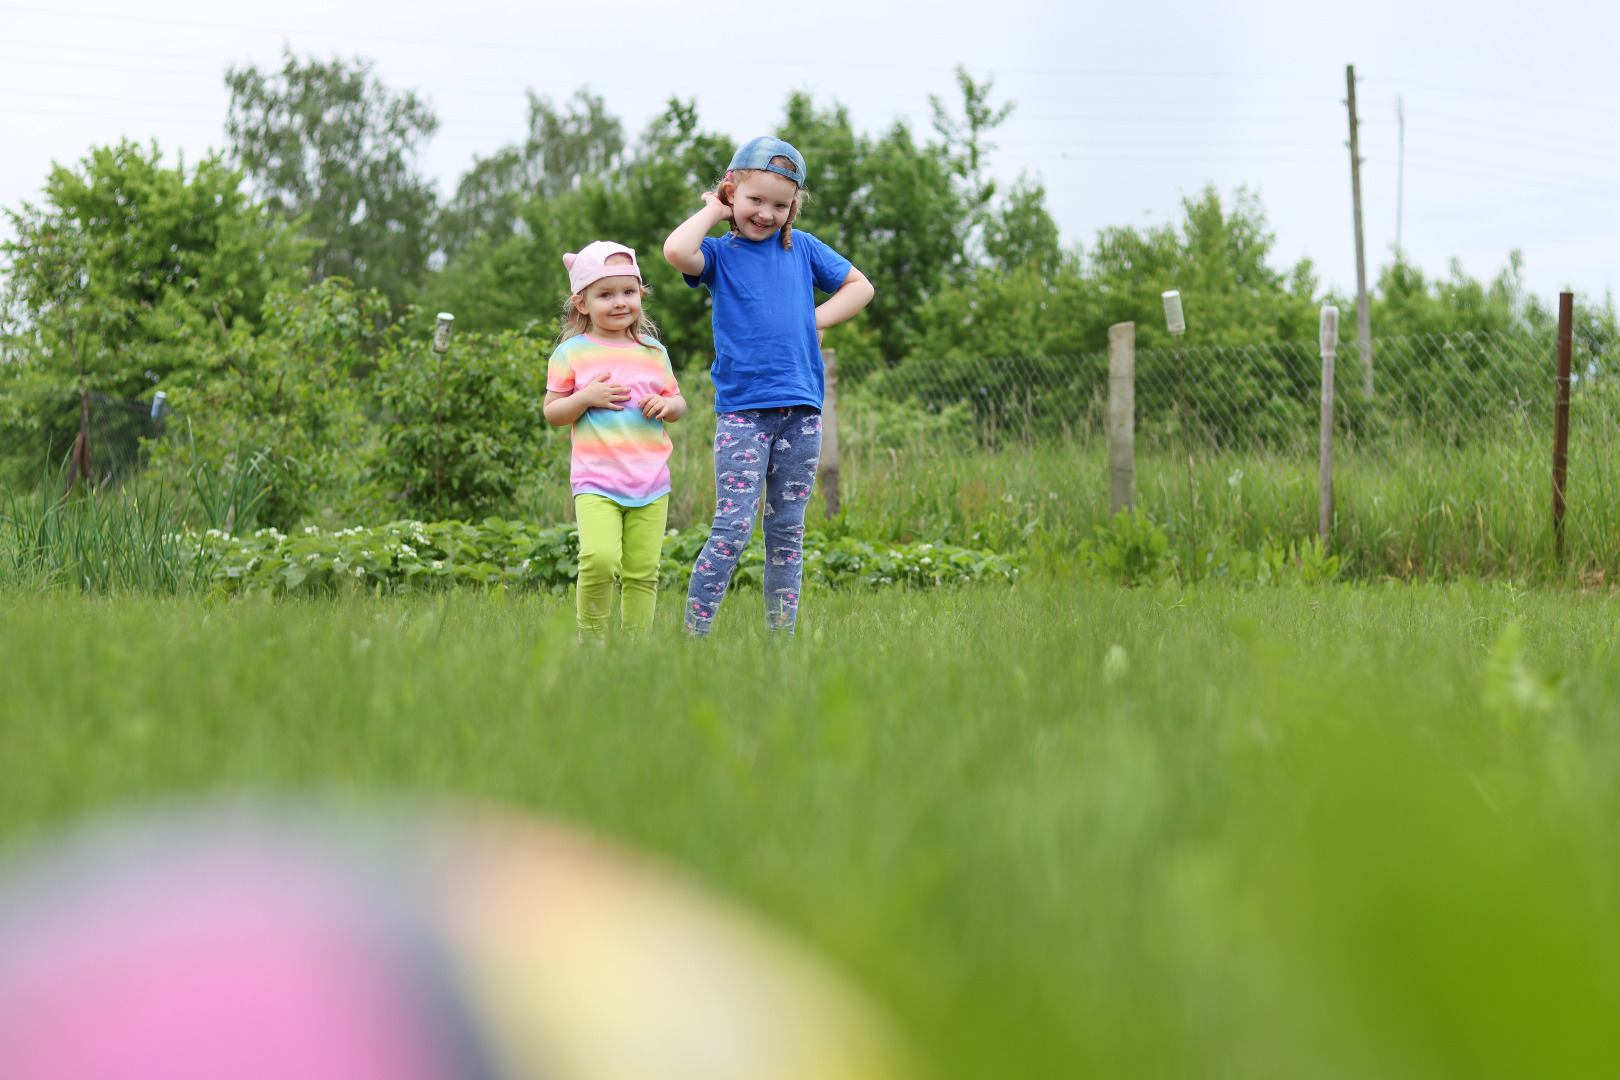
289,398
1043,302
331,146
1056,830
462,428
579,142
411,555
98,543
1131,550
125,263
569,184
893,207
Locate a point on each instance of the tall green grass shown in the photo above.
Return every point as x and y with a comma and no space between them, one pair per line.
126,540
1065,830
1427,511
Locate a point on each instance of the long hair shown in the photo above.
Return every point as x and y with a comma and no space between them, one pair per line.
726,188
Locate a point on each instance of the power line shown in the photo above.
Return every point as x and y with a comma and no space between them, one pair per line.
1495,95
592,50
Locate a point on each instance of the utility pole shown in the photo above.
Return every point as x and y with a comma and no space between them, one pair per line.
1400,171
1363,308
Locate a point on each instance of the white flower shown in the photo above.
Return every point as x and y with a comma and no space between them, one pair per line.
310,530
438,564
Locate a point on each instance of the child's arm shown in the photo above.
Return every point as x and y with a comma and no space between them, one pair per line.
684,248
600,393
855,293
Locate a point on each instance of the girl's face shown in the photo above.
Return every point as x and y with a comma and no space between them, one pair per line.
760,204
613,304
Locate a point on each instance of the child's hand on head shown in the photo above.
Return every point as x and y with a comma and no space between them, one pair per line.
603,393
711,199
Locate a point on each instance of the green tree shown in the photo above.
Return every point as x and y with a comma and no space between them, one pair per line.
511,277
578,142
328,144
968,149
892,206
291,396
1021,231
463,428
118,273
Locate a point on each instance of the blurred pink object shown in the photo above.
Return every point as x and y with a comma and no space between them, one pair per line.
213,964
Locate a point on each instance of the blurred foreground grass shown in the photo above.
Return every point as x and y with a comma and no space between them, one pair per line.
1367,831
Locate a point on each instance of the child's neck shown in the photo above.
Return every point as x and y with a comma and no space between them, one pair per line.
615,336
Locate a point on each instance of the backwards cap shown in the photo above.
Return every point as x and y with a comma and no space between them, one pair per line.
757,154
590,265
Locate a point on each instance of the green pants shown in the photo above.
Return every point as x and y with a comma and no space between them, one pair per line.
618,540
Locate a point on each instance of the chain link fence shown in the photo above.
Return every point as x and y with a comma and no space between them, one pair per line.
1444,468
38,431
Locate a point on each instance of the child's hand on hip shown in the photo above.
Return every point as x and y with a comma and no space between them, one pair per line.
603,393
654,406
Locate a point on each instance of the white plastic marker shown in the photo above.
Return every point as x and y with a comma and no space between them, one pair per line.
1330,330
1172,313
441,332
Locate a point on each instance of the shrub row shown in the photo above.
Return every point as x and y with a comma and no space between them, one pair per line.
411,555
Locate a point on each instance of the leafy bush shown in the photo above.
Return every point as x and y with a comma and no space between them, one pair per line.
1131,550
291,398
462,427
410,555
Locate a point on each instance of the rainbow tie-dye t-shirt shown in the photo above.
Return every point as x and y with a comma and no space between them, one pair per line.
619,454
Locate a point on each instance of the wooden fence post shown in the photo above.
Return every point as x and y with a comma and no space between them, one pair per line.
828,470
1121,417
1566,335
1324,467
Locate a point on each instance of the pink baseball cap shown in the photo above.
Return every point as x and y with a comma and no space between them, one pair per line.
590,265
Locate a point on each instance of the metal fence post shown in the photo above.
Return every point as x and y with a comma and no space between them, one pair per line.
1121,417
829,470
1566,335
1324,469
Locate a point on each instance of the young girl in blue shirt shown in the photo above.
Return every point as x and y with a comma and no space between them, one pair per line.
768,384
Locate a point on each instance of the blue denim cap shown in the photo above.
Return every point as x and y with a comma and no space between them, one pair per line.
757,154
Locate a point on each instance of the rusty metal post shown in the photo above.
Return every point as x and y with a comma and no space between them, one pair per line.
828,470
1566,335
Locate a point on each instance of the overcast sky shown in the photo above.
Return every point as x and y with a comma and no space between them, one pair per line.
1512,110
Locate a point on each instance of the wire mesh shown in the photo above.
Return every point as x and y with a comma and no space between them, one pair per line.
1445,468
37,434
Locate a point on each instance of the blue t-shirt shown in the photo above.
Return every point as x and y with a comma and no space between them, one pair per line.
765,351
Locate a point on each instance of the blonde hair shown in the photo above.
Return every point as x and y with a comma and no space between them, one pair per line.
576,322
737,176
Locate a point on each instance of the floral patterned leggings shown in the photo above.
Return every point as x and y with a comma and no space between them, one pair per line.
776,450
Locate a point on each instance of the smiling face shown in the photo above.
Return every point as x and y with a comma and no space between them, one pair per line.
613,305
761,203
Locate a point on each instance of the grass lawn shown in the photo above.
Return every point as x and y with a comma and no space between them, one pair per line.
1078,831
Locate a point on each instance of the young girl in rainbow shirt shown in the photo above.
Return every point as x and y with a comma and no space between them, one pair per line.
607,358
768,383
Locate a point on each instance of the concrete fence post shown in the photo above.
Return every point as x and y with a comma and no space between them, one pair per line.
828,470
1324,468
1121,417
